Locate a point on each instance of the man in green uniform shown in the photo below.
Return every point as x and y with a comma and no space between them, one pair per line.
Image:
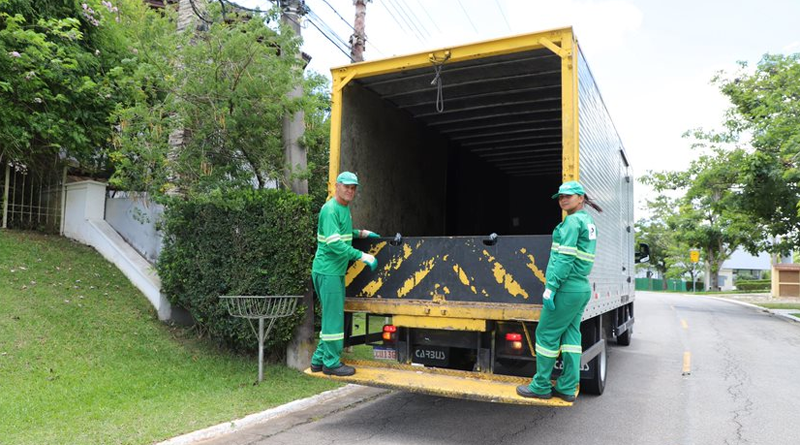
558,331
334,251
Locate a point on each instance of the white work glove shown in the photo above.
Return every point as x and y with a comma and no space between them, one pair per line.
367,234
548,299
369,260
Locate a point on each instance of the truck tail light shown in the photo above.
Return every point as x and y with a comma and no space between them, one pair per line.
389,333
514,340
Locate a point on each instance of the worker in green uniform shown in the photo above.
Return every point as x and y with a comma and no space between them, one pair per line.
334,251
567,291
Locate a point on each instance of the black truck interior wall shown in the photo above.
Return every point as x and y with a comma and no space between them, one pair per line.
493,156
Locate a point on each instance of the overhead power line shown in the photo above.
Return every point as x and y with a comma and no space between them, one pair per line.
339,15
429,17
468,17
408,13
503,14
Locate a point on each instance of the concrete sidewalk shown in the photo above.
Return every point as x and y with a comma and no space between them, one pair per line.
261,425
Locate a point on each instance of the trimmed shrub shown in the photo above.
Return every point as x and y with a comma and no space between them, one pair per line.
753,284
240,242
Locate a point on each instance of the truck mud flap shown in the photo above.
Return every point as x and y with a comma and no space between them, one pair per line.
441,382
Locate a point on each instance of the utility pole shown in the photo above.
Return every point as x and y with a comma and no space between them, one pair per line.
300,348
359,38
293,125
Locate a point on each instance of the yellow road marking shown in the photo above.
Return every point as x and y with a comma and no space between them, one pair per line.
687,363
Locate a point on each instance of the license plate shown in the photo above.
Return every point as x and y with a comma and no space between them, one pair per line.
432,355
381,353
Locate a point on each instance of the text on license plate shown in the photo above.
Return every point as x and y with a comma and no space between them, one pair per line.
379,353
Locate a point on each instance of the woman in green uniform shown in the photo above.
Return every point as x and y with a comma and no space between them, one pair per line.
567,291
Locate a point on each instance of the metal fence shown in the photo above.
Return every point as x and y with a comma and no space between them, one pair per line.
32,197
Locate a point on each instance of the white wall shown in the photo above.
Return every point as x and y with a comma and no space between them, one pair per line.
84,221
135,218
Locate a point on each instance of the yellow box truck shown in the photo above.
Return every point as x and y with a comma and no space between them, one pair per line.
458,151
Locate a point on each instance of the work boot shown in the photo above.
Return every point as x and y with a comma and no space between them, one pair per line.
339,371
316,368
525,391
564,397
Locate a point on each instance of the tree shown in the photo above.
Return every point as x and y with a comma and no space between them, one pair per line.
55,93
707,216
226,91
766,115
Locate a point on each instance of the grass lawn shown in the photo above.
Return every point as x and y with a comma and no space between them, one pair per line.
84,360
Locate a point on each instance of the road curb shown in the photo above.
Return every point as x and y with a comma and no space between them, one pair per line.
784,313
257,418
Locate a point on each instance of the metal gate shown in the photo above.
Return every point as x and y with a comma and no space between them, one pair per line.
32,197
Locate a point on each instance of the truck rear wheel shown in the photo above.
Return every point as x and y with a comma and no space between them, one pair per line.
593,380
624,339
596,383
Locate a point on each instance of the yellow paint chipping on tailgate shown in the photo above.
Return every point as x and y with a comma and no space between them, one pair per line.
415,279
532,266
445,383
462,276
357,267
503,277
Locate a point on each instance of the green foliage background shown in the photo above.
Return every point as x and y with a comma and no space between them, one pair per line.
239,242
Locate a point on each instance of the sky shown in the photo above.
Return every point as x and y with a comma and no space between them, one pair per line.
653,60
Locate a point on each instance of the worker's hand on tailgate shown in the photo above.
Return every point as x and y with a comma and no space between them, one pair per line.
548,299
368,234
369,260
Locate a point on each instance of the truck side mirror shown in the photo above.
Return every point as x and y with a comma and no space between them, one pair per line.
643,255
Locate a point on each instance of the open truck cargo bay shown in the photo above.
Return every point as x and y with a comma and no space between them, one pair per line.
447,167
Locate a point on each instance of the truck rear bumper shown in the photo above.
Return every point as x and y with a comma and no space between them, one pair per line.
441,382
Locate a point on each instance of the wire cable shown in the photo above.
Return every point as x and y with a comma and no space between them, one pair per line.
429,17
503,14
404,9
197,12
337,13
468,18
406,30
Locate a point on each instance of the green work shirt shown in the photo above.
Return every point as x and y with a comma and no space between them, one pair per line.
334,240
572,254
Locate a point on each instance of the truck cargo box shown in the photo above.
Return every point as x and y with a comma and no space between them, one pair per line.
458,151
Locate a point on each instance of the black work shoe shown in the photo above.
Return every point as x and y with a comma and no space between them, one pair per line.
316,368
340,371
564,397
525,391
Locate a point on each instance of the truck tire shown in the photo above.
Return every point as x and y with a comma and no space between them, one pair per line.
596,383
626,314
594,380
624,339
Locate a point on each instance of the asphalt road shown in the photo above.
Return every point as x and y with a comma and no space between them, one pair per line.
699,371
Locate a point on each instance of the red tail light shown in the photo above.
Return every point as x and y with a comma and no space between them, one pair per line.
513,336
389,332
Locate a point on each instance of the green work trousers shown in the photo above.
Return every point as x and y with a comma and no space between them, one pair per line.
330,289
559,331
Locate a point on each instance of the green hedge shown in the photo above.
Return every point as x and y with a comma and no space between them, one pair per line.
753,284
242,242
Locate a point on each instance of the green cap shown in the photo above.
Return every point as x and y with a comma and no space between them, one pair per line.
347,178
570,188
